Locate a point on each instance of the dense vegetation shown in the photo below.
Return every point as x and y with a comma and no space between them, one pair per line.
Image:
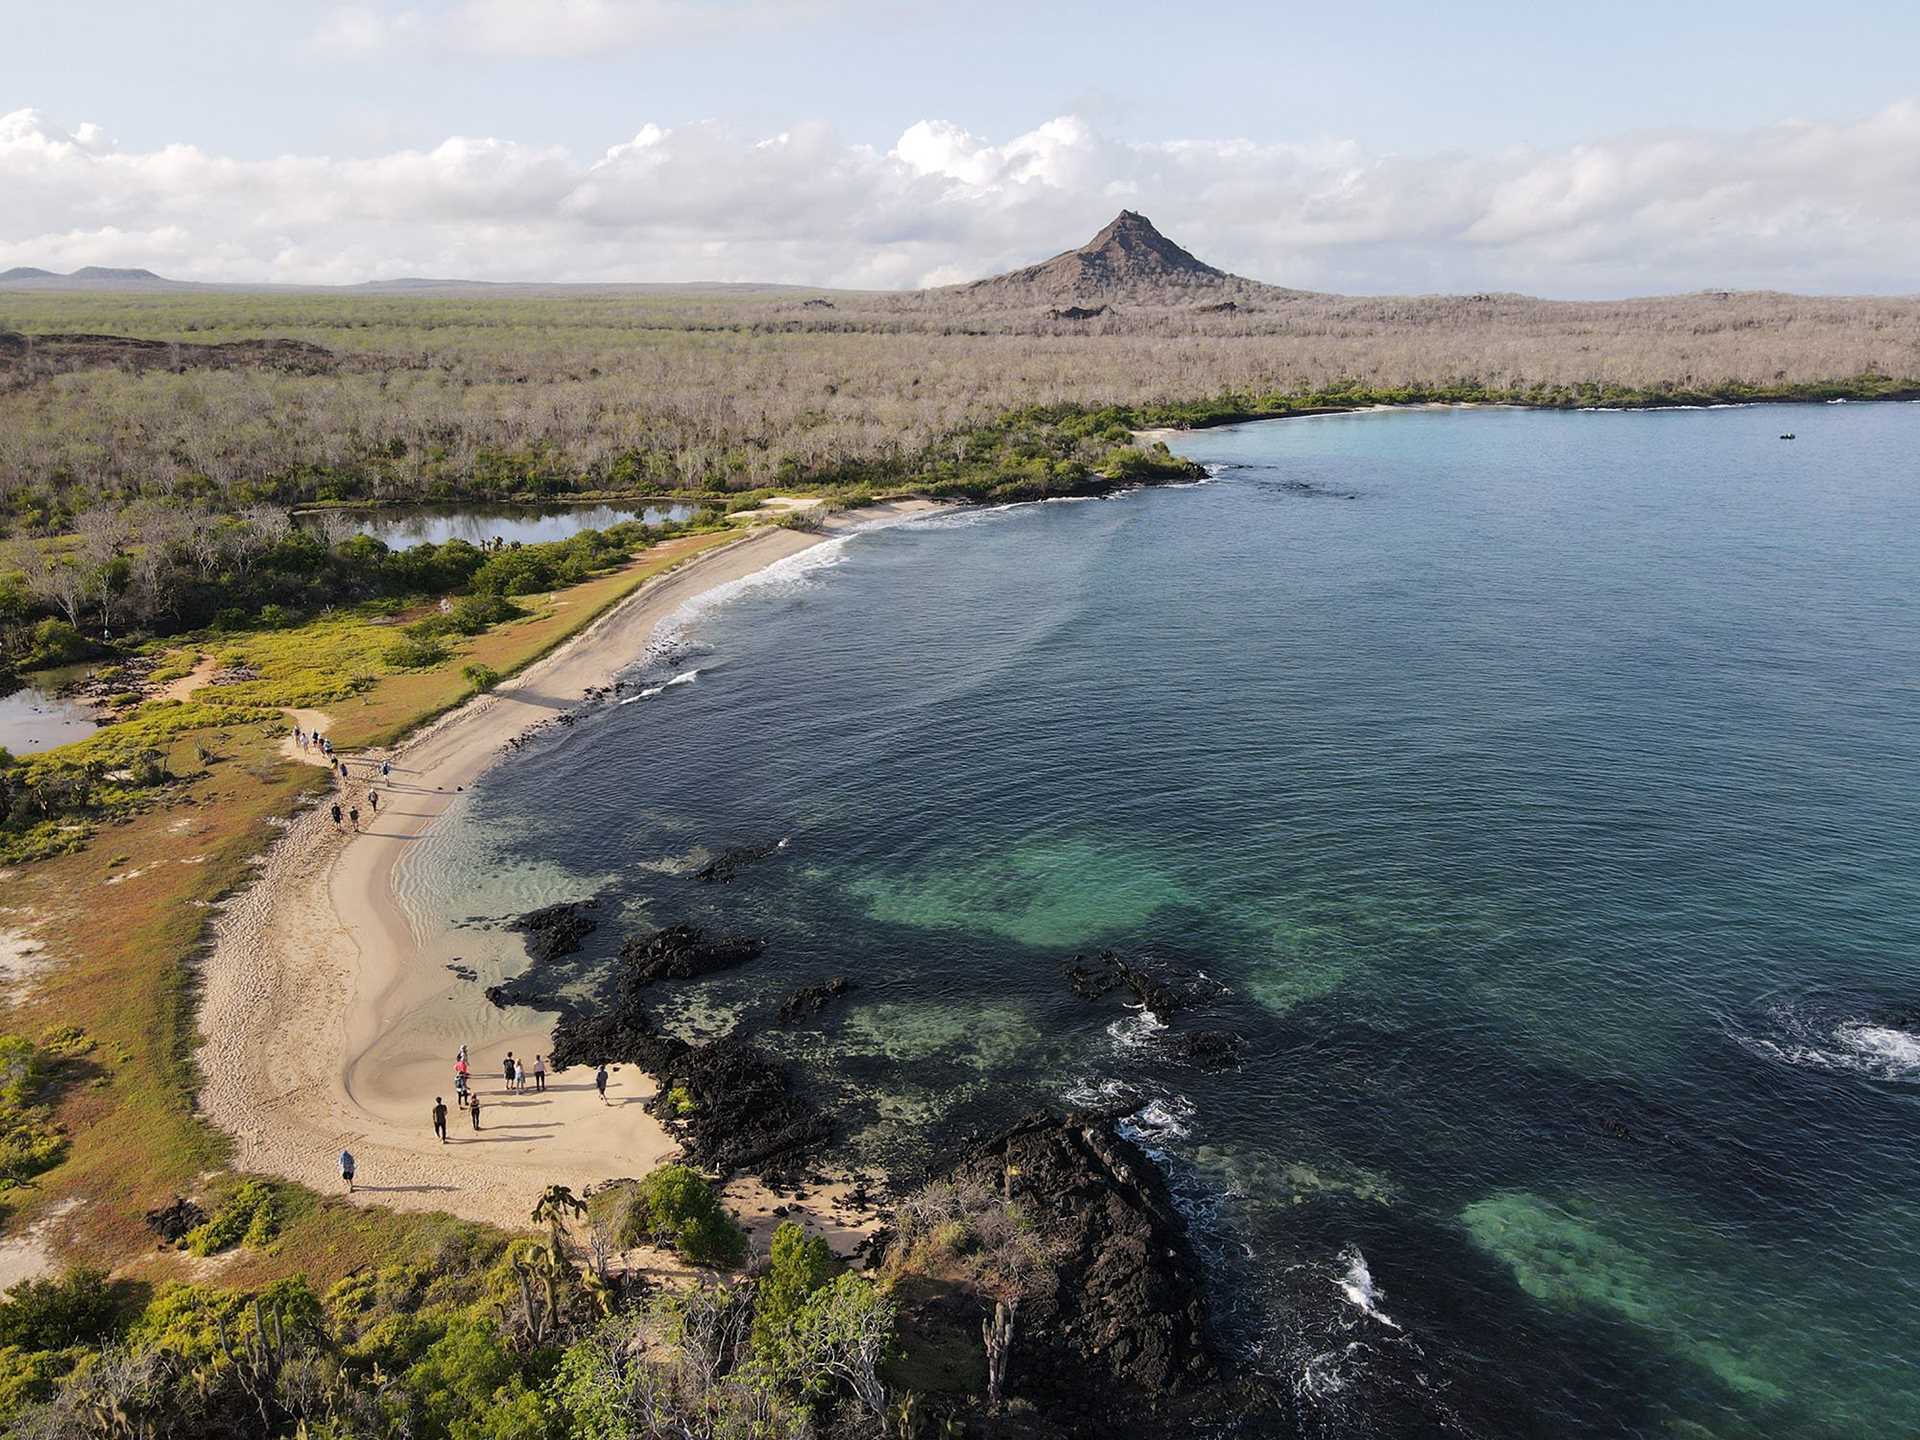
557,394
487,1340
287,617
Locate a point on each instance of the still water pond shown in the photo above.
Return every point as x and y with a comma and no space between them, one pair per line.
35,718
404,528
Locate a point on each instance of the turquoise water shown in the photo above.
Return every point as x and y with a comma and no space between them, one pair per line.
1544,789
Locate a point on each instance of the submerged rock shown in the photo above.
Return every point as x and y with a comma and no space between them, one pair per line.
1123,1320
1164,988
811,999
1207,1049
556,930
683,952
729,862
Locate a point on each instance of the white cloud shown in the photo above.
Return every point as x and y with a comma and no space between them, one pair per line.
520,29
1795,206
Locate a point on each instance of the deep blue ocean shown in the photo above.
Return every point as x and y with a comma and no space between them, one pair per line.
1543,788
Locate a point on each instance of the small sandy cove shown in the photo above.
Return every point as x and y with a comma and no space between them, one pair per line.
323,1020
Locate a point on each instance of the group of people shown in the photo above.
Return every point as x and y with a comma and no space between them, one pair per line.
467,1097
347,816
313,740
514,1072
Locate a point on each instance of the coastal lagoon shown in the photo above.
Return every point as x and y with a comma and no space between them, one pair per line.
1542,790
404,526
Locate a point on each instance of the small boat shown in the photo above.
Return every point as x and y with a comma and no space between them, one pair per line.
1787,436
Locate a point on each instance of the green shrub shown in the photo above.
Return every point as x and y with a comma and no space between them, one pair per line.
474,613
19,1069
55,642
431,627
674,1206
27,1376
481,677
798,1266
251,1213
469,1385
409,653
76,1309
30,1142
65,1040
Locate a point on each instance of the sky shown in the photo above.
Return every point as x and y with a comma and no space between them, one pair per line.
1385,147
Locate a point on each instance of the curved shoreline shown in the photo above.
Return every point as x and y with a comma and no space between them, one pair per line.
320,1029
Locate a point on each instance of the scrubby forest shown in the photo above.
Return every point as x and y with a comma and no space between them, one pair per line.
390,399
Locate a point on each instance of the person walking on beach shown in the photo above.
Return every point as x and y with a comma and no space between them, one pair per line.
600,1084
440,1118
473,1109
354,815
460,1087
520,1077
336,814
386,769
373,799
461,1058
540,1074
509,1069
346,1169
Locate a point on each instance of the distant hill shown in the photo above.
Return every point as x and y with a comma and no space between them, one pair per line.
133,279
89,277
1129,260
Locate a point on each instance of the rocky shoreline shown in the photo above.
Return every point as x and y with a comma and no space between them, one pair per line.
1112,1330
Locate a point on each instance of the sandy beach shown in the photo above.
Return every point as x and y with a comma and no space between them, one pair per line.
325,1021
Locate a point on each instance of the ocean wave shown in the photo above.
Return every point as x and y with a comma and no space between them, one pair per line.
1159,1122
1357,1285
1155,1122
685,677
1325,1375
790,575
1136,1030
1818,1034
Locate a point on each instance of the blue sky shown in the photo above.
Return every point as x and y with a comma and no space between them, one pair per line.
1416,114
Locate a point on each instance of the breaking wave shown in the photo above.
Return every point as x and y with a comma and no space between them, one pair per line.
1819,1035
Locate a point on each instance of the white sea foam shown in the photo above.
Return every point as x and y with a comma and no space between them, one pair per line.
1321,1376
1161,1119
1848,1046
686,677
791,575
1137,1030
1169,1117
1894,1053
1356,1283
